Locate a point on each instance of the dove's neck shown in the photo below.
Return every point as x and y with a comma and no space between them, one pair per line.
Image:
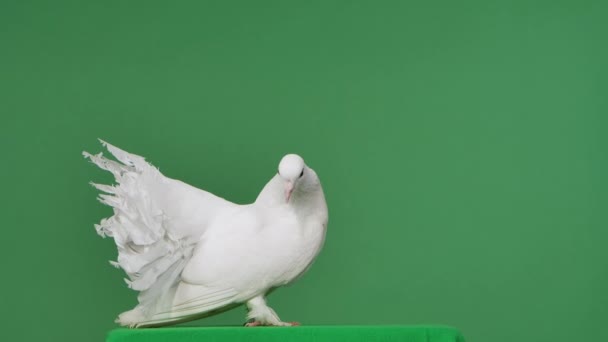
272,194
307,205
310,205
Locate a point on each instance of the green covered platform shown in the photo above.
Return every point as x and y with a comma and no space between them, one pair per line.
329,333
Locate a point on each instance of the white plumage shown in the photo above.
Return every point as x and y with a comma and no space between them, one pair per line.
190,253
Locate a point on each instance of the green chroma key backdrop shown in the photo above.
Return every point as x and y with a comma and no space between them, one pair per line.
462,146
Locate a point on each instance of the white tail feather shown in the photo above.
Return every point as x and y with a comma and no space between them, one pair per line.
157,222
146,252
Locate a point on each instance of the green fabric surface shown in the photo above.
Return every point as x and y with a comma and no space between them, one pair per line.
303,333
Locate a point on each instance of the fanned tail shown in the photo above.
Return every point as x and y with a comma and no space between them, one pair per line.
151,257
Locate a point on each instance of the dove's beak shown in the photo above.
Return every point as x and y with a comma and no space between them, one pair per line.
288,190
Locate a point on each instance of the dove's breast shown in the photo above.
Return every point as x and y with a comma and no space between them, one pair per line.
308,247
252,250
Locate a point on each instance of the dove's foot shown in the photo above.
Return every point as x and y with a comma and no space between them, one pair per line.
254,324
260,315
280,324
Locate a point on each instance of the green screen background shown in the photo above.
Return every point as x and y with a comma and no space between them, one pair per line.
461,145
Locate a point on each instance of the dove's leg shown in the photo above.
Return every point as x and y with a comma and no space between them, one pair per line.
261,314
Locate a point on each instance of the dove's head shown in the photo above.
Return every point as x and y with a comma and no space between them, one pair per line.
296,175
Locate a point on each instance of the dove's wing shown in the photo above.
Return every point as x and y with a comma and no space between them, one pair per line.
157,222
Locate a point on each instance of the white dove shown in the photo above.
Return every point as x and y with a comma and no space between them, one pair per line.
191,254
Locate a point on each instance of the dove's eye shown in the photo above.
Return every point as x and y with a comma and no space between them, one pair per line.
302,173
